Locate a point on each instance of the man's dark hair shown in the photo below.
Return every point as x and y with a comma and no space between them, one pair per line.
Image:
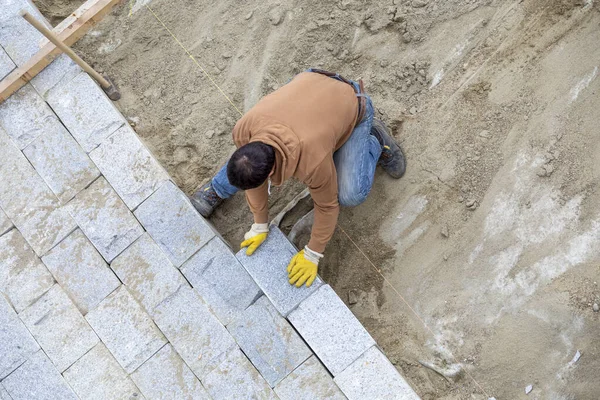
250,165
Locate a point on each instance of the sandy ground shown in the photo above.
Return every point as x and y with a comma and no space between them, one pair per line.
492,236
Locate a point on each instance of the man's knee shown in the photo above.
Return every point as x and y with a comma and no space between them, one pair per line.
351,198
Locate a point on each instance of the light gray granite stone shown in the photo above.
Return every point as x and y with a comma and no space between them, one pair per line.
98,376
104,219
59,328
62,69
25,116
81,271
19,39
236,378
221,280
38,379
194,331
165,376
330,329
373,377
3,393
126,330
29,202
6,64
308,382
174,223
23,278
147,272
61,162
268,267
85,110
16,343
5,223
269,341
129,167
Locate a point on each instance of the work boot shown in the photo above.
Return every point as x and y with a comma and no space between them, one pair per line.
205,200
392,158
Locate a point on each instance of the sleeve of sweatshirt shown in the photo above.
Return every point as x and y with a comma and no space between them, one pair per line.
324,192
258,200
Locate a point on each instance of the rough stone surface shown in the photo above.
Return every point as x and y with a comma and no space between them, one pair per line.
23,278
174,223
221,280
38,379
4,394
269,341
19,39
61,162
236,378
25,116
308,382
62,69
193,331
147,272
16,343
126,330
59,328
98,376
373,377
105,219
129,167
85,110
6,64
165,375
268,268
81,271
5,223
330,329
29,202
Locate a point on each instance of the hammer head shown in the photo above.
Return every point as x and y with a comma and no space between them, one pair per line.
112,92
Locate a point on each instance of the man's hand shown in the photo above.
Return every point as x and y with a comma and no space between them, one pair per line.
255,237
303,267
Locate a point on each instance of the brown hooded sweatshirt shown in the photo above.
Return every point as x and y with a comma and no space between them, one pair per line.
305,121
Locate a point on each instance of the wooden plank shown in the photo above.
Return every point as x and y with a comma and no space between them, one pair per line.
69,35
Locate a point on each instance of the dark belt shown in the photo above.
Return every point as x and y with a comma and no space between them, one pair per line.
362,100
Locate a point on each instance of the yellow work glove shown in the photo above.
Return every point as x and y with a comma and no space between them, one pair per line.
255,237
303,267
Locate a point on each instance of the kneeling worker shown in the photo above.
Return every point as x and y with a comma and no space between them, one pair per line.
320,129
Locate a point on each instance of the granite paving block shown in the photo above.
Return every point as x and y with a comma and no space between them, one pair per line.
221,280
165,376
6,64
236,378
29,202
308,382
4,394
59,328
174,223
62,69
16,343
81,271
268,267
23,277
19,39
85,110
194,331
269,341
98,376
129,167
126,330
5,223
330,329
147,272
104,219
25,116
61,162
38,379
373,377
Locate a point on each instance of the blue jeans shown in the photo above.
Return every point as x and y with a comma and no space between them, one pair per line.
355,164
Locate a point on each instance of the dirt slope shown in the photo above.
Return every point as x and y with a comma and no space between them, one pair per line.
491,237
